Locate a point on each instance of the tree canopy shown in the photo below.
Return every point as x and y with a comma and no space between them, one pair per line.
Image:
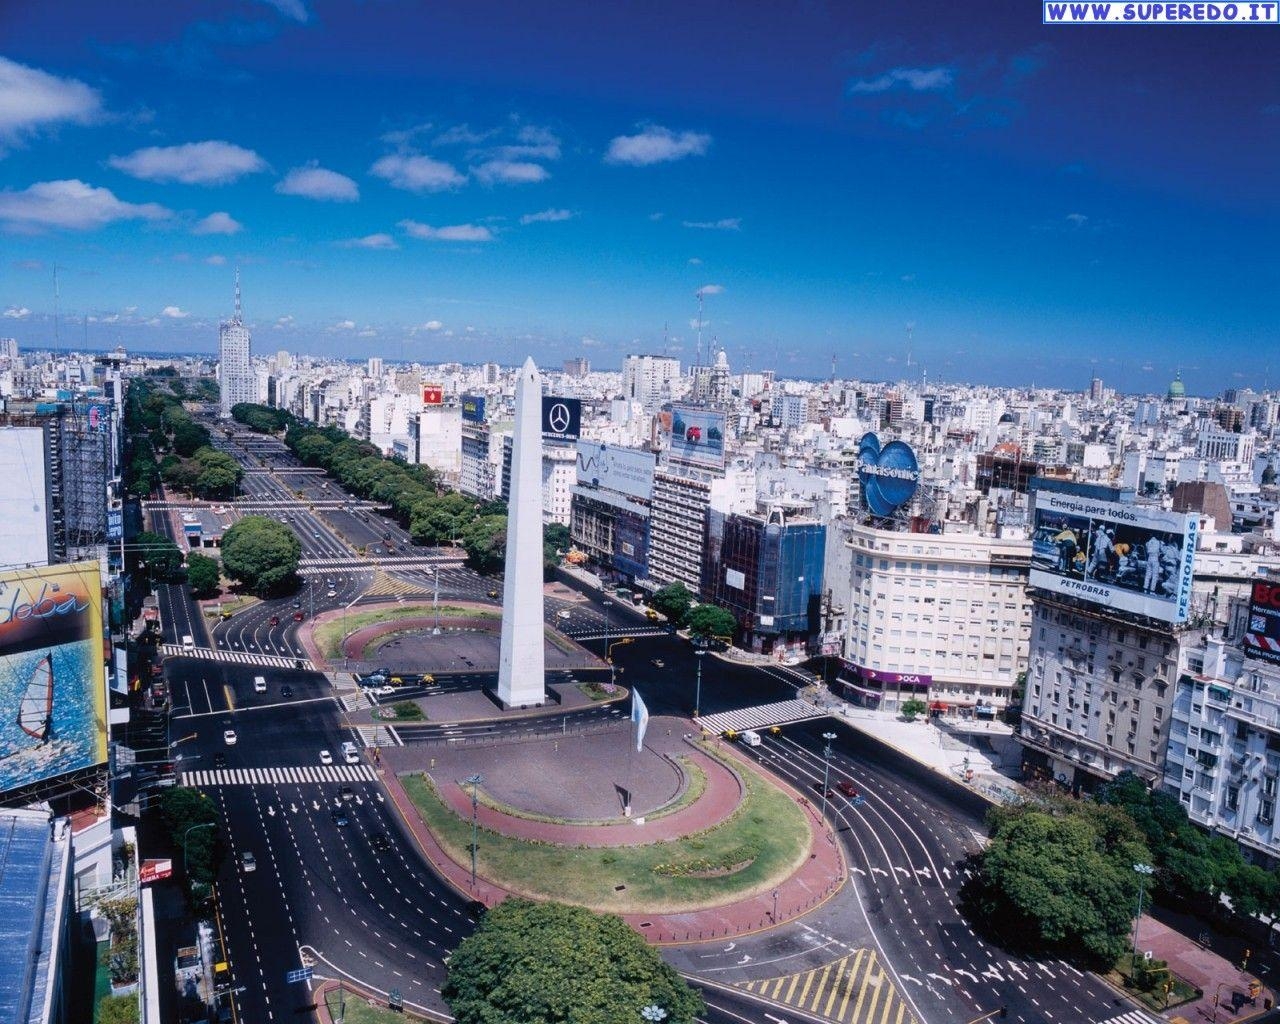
182,808
555,538
708,621
673,601
261,553
203,574
539,963
261,419
158,556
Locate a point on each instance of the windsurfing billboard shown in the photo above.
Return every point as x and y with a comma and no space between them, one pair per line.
53,717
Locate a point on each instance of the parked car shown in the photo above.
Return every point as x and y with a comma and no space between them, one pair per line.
326,757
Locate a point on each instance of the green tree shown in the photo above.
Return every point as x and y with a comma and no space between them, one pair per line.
261,553
485,542
1060,880
202,574
158,556
912,708
219,473
673,601
118,1010
708,621
189,437
539,963
314,450
182,809
555,538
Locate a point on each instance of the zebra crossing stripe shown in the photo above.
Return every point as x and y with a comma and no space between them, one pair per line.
305,774
1133,1017
762,716
236,657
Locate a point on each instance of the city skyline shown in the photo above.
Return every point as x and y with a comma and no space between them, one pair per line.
1001,202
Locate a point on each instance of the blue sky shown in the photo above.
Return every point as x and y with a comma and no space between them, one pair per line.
483,180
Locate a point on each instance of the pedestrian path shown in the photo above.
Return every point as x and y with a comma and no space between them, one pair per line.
280,776
852,990
1134,1017
617,634
237,657
387,561
386,584
762,716
357,701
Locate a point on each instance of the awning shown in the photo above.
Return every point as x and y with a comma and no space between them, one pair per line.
937,705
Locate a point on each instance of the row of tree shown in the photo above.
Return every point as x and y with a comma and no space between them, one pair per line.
191,819
706,621
1058,874
164,442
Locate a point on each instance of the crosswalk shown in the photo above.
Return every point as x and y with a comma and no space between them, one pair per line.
1134,1017
617,634
237,657
762,716
357,701
852,990
308,774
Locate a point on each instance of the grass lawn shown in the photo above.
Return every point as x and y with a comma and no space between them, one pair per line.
767,839
231,604
358,1010
400,711
1181,992
328,635
696,786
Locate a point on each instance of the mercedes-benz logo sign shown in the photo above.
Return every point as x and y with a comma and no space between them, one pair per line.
558,417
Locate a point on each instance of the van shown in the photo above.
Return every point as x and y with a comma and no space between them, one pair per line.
348,747
751,738
188,640
259,684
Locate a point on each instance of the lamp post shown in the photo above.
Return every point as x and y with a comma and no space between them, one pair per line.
207,824
435,599
697,694
826,769
1143,870
474,782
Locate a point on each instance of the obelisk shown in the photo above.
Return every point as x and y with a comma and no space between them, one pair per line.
522,671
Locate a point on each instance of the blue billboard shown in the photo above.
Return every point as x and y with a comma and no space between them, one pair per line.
889,475
473,408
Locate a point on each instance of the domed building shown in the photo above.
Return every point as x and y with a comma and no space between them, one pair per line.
1177,390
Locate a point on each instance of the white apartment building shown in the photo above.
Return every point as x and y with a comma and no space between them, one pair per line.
236,378
436,436
940,617
649,379
559,474
1221,445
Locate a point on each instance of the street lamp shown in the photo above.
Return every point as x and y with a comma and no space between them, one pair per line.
607,605
207,824
474,782
435,599
697,695
826,768
1143,870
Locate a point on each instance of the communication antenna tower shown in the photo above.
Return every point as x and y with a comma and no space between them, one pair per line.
237,314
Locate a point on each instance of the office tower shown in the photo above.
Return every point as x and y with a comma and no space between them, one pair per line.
235,366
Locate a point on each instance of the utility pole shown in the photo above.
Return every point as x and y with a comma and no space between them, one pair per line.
697,694
826,769
474,782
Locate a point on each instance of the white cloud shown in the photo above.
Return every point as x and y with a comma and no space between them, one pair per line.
724,224
295,9
17,312
586,341
216,261
913,79
417,173
368,332
381,240
462,135
220,223
432,325
31,98
694,325
711,289
312,181
1078,219
196,163
533,143
694,261
284,321
344,325
655,145
546,217
908,278
70,204
174,313
656,216
449,233
510,172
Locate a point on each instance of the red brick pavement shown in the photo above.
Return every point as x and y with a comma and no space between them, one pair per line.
818,878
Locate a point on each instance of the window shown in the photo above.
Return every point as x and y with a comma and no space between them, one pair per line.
1233,798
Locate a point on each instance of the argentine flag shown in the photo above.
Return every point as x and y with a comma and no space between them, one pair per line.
639,715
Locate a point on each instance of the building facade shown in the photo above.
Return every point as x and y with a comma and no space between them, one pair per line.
236,378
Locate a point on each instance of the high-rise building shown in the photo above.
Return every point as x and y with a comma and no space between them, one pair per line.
577,367
648,379
235,365
375,367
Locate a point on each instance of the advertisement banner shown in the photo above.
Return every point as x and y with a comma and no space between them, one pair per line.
1132,558
1262,632
154,870
889,475
625,470
432,394
561,418
115,523
697,435
53,716
473,408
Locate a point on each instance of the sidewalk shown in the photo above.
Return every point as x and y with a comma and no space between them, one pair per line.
818,878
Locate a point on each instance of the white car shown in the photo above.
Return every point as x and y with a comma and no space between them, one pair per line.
383,691
229,737
332,593
351,757
326,757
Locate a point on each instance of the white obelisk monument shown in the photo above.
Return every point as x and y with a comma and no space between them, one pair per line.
522,672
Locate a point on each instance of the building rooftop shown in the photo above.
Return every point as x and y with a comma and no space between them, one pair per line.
29,859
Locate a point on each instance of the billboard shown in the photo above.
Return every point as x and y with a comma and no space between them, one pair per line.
889,476
625,470
697,435
432,394
24,533
154,869
561,418
473,408
53,717
1262,632
1128,557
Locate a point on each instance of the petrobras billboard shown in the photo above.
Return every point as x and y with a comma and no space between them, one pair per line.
473,408
1128,557
433,394
697,435
609,466
53,717
1262,632
888,476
